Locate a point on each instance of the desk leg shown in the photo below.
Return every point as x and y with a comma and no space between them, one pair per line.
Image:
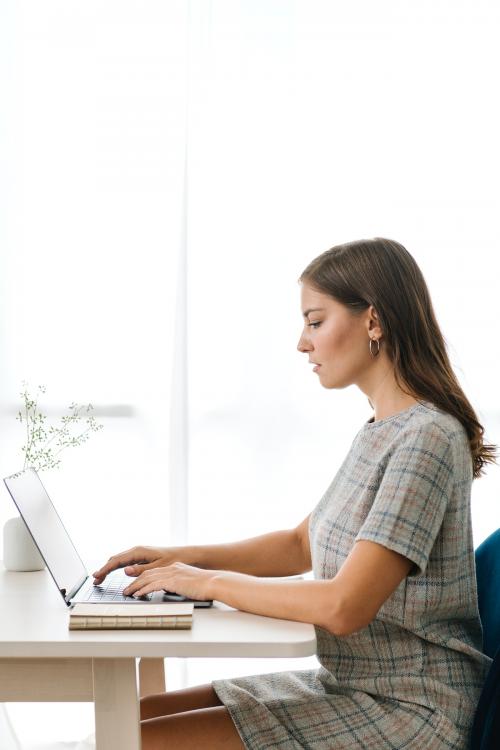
117,718
151,676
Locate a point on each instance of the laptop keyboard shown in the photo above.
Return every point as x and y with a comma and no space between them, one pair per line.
111,591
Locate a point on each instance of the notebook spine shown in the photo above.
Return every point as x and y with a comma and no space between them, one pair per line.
130,623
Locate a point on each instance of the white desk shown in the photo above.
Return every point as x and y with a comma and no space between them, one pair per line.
41,660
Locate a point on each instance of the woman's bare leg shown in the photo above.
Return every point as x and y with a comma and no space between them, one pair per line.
207,728
178,701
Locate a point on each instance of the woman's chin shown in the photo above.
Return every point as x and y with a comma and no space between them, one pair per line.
331,383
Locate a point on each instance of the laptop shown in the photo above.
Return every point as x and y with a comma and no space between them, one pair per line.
60,556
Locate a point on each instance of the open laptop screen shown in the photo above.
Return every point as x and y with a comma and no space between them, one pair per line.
46,528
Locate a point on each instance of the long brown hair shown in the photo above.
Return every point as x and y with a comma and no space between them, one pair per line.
382,273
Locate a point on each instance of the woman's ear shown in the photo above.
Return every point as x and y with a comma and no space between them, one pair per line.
373,323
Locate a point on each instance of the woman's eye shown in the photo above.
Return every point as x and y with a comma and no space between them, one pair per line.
315,324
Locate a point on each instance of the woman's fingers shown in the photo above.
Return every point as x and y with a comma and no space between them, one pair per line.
136,570
149,579
178,578
135,555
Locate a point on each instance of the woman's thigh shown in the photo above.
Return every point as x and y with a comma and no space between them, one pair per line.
178,701
208,728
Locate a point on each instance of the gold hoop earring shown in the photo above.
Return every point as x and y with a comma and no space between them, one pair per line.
378,347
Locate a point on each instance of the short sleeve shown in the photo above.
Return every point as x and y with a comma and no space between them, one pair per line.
410,503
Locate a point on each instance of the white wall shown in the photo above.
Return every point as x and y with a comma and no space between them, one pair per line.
307,124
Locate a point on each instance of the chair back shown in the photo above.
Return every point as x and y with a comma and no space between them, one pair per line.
488,591
485,733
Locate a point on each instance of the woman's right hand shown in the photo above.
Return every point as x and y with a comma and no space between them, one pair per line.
138,559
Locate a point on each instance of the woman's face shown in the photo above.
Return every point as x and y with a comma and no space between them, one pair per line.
335,339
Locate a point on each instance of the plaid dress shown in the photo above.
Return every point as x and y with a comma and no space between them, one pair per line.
411,679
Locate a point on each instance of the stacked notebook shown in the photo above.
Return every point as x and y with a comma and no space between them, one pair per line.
171,616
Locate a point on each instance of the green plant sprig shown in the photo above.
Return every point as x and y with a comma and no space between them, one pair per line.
38,451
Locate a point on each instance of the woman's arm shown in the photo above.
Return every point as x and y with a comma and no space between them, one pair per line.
279,553
341,605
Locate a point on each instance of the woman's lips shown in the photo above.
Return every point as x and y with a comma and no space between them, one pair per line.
315,369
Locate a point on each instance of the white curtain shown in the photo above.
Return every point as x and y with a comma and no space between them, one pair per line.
168,170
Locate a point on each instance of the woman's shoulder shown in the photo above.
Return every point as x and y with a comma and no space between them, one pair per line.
431,417
422,418
428,421
419,429
434,438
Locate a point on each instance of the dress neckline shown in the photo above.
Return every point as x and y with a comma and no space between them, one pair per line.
371,423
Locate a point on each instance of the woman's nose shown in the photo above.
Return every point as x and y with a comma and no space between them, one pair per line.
302,346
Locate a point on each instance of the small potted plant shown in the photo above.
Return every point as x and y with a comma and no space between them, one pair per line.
41,451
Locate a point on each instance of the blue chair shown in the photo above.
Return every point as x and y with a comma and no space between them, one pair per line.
486,727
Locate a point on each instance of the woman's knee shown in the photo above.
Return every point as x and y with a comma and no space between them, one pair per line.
178,701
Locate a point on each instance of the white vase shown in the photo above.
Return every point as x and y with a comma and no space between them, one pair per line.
19,550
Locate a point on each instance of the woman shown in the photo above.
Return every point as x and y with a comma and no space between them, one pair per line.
394,599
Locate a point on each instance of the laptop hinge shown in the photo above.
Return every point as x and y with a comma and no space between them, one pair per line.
74,590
